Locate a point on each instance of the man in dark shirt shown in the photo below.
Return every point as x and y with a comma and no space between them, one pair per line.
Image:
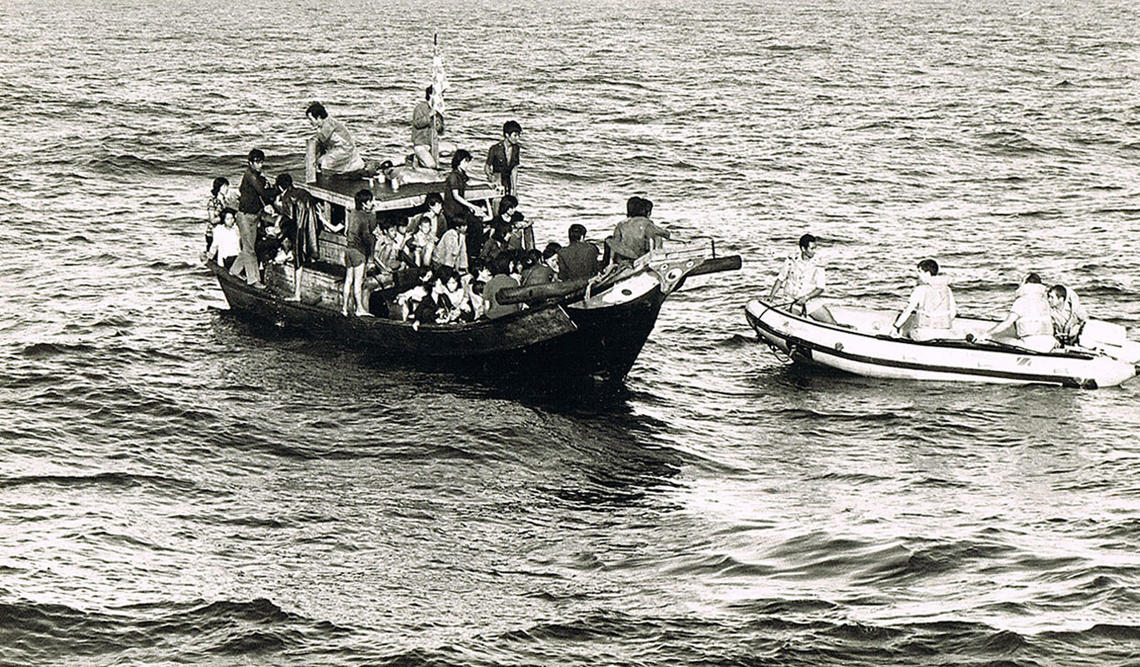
255,197
580,258
502,164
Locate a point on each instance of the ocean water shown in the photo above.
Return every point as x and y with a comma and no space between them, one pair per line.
177,486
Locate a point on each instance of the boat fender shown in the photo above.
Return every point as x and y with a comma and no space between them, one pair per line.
839,347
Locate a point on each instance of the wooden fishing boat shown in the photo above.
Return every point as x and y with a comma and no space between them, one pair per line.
863,346
593,327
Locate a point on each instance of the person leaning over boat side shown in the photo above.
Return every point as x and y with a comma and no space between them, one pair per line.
451,251
256,198
636,235
1029,316
1067,314
802,280
932,305
225,244
340,154
358,246
502,163
501,279
422,118
580,258
215,205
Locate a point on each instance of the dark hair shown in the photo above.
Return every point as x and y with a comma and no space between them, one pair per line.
362,197
283,182
1059,291
218,183
806,240
577,232
530,258
459,156
427,92
256,154
633,206
507,203
433,198
317,110
510,127
646,207
551,249
1033,278
227,211
517,217
928,265
501,264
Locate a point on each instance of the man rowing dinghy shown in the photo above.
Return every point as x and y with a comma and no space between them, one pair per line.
801,281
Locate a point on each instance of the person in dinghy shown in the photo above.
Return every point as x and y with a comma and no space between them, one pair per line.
930,313
1028,319
801,281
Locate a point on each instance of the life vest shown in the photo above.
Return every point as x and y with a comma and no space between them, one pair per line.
935,311
1034,318
800,275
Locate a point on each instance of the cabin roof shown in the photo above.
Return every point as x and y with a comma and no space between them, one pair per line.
340,190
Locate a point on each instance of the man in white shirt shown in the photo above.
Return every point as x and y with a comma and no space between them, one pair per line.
801,281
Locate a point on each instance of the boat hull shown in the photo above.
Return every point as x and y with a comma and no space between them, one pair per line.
873,354
588,338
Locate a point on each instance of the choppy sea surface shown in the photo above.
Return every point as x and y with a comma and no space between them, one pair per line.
177,486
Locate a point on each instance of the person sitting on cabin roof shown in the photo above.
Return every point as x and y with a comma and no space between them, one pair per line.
1067,314
339,154
217,202
636,235
801,280
931,304
535,271
358,244
502,165
1029,316
500,280
426,122
256,199
451,251
225,244
580,258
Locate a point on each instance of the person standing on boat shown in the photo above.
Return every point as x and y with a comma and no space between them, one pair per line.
456,207
502,163
426,122
1029,316
636,235
215,205
256,198
358,247
225,244
801,281
339,150
1067,314
932,305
